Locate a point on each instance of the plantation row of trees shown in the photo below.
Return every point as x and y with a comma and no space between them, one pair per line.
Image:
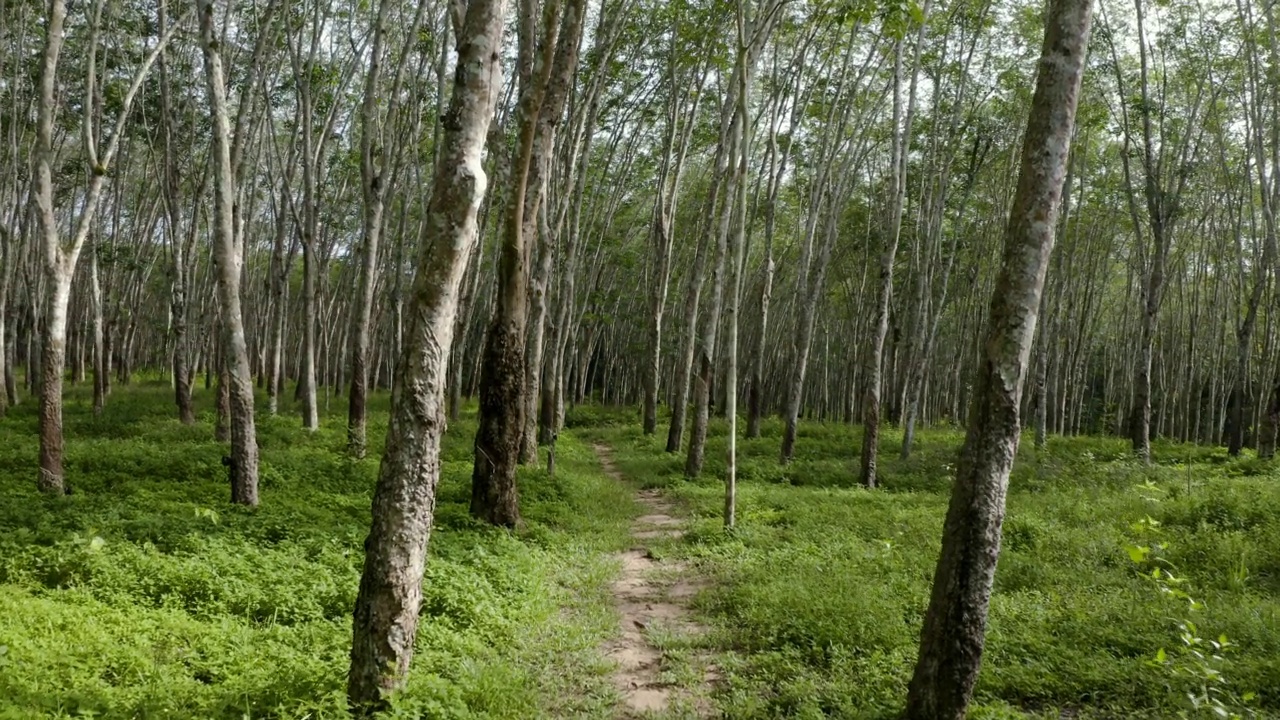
805,207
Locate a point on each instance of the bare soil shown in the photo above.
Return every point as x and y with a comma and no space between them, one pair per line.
653,594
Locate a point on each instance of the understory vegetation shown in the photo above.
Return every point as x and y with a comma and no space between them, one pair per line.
144,594
818,595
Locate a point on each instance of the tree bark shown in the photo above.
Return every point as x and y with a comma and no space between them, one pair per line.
373,188
955,625
59,258
874,363
227,258
494,497
536,213
99,342
390,595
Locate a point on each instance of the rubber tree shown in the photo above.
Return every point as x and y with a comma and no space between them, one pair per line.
1166,160
873,363
374,138
735,131
228,257
537,214
61,254
681,112
390,595
500,435
953,636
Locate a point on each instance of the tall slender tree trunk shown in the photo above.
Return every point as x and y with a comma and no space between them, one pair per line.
675,150
494,497
372,184
1270,422
52,364
684,364
537,212
99,342
704,360
737,240
720,206
7,399
954,630
227,258
10,350
278,290
307,382
390,595
873,366
58,282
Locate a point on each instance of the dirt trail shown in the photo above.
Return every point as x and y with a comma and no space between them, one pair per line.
651,594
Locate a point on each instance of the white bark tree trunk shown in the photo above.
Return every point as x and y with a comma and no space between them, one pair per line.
386,612
227,257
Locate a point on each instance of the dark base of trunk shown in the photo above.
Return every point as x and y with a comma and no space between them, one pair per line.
547,430
675,433
494,498
701,415
870,443
788,440
753,410
222,426
357,442
650,414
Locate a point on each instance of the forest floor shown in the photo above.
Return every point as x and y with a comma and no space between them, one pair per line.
146,595
813,603
652,596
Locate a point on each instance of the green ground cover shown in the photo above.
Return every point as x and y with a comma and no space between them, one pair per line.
145,594
818,597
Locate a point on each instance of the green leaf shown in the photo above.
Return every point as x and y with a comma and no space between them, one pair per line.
1137,553
917,12
96,543
1161,656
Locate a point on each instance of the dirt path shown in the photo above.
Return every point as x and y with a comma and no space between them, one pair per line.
652,594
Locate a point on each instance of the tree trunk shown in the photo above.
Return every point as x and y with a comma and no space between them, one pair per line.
57,276
179,247
222,402
227,258
732,128
373,186
955,625
52,364
10,349
1269,423
684,364
706,350
874,364
6,342
310,409
536,214
99,342
390,595
500,434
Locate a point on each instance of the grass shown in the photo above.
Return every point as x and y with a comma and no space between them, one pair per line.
819,594
145,594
